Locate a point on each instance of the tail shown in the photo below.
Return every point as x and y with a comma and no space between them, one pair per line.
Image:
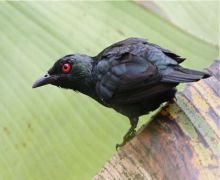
180,75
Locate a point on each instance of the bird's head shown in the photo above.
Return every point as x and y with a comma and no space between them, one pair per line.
71,72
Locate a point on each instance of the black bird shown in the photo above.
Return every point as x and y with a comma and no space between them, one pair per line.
132,76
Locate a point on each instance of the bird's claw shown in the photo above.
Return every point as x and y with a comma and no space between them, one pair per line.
118,146
128,136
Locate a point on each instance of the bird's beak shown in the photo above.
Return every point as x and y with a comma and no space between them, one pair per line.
44,80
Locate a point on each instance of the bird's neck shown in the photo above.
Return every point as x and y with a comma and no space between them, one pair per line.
85,83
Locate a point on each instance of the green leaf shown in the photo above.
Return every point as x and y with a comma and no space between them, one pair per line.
200,18
51,133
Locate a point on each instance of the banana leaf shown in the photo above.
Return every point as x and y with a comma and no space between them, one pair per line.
50,133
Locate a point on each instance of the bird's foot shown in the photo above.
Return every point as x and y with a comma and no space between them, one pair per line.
128,136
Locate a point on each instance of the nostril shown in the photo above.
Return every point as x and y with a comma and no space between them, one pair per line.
45,75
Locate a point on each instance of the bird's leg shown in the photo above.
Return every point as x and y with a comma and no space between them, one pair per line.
130,133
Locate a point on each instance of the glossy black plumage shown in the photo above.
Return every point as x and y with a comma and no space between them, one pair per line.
132,76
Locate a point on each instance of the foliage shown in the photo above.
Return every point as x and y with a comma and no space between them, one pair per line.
51,133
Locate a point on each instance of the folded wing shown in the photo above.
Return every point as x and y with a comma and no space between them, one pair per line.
131,79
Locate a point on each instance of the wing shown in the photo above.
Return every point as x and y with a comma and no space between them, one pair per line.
127,79
134,69
169,53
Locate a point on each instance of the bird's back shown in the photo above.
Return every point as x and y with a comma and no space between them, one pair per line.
136,46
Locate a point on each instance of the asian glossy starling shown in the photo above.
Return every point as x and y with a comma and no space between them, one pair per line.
132,76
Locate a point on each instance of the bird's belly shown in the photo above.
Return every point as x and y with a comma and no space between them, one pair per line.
144,106
129,110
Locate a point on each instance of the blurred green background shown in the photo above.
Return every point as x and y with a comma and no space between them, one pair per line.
51,133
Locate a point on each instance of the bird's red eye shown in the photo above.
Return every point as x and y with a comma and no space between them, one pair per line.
66,67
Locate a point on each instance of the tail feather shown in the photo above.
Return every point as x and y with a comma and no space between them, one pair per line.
179,75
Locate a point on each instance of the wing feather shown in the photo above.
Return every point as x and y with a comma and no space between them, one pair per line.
131,76
132,70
